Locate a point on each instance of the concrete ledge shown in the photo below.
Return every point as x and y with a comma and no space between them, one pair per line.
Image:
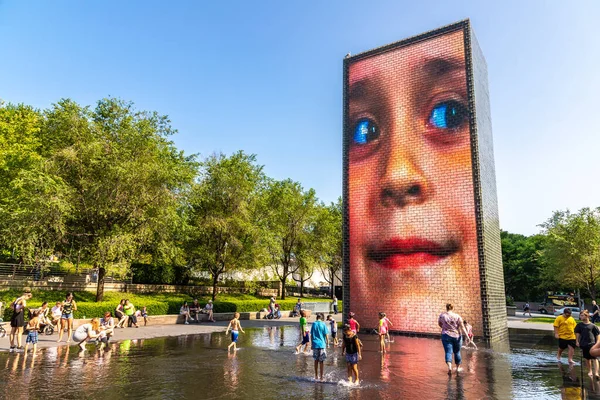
179,319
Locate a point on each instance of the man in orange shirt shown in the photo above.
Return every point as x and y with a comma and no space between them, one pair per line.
564,331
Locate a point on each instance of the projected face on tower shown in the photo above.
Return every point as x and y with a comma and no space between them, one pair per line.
411,214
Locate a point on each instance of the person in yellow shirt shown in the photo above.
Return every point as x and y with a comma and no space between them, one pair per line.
564,331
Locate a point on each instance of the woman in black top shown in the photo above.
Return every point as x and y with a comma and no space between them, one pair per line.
17,320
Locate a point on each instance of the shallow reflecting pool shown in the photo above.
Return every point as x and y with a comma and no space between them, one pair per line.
199,367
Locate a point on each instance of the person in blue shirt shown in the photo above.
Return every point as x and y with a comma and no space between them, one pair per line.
318,335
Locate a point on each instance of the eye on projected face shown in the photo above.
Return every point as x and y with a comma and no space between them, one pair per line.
412,233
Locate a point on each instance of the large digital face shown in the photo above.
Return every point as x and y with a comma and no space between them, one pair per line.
411,214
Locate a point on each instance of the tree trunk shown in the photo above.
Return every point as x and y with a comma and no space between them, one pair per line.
282,291
214,292
100,288
301,287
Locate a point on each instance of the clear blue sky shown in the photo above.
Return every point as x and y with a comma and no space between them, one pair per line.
266,77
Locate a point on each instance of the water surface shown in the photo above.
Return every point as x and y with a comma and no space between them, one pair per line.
199,367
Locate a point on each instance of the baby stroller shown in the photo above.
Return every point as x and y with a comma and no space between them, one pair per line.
47,327
275,313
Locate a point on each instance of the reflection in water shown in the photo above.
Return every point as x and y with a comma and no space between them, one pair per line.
265,367
231,371
571,387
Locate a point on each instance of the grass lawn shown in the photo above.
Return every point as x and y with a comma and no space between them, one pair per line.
542,320
547,320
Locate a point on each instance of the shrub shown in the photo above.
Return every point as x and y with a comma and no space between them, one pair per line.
157,304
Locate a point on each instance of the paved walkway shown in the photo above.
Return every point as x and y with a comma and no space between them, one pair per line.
518,322
153,331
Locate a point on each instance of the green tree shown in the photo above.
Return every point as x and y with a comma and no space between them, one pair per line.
522,268
224,235
289,213
126,178
33,201
329,231
572,251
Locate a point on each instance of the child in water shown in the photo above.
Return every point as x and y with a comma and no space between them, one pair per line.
33,327
469,330
383,329
333,329
352,349
354,325
304,333
236,328
389,323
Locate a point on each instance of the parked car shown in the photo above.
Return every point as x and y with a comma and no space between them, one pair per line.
574,312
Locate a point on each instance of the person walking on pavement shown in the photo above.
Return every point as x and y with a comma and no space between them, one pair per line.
564,331
526,309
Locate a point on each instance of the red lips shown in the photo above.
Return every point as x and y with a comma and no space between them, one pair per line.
410,252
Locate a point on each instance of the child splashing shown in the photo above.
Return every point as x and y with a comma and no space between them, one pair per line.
352,349
304,333
333,329
389,323
236,328
383,330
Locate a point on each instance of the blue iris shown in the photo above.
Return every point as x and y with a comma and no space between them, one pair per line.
448,115
365,131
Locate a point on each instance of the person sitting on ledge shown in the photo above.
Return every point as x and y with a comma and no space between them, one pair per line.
185,311
144,314
297,308
129,310
208,309
195,309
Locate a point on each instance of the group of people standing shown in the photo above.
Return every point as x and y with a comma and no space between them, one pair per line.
584,335
61,317
318,338
454,328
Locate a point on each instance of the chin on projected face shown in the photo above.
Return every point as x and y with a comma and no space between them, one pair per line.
411,215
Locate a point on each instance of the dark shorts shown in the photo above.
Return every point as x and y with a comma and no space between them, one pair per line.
352,358
334,334
586,353
17,320
305,338
234,336
563,343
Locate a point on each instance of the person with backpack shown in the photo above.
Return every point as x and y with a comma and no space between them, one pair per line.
17,321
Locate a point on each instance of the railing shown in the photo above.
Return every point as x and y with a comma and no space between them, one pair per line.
50,273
